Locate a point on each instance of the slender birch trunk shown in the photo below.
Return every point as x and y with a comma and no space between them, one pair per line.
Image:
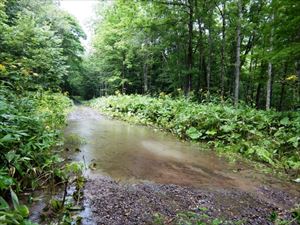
238,56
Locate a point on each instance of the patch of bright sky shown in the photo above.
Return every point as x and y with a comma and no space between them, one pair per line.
84,11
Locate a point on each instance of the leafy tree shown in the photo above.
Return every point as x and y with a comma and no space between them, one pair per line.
39,50
194,45
40,45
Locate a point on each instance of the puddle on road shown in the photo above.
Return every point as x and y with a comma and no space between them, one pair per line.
131,153
128,152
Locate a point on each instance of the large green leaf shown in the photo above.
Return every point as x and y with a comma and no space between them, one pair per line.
193,133
7,138
285,121
14,199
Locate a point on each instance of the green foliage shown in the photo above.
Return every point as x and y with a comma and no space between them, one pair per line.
193,133
65,210
29,129
295,217
15,216
39,47
152,46
192,218
269,137
38,62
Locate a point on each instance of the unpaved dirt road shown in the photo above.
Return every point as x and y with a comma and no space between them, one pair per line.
138,173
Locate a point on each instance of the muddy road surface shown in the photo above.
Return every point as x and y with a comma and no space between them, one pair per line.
139,175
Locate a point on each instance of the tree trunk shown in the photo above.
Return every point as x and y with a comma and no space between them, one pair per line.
269,82
123,74
208,75
248,86
297,67
238,56
145,73
200,50
251,91
257,99
223,51
269,86
282,93
190,48
105,89
200,66
263,68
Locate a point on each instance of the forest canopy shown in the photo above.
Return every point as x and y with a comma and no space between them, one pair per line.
241,50
39,45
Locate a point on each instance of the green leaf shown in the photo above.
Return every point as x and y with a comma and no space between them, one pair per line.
10,156
264,155
3,204
294,141
14,199
250,151
193,133
7,138
285,121
5,182
211,132
3,219
216,222
23,210
27,222
55,204
74,167
227,128
274,216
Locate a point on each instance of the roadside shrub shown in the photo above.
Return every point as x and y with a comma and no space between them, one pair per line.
29,130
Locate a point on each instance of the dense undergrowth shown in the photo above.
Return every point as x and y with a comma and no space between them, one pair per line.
29,133
269,137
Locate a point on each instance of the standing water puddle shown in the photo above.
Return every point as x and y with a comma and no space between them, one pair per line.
131,153
149,162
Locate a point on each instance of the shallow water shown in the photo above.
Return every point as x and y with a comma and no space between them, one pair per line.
132,153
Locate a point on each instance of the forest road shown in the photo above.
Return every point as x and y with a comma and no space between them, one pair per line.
140,175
